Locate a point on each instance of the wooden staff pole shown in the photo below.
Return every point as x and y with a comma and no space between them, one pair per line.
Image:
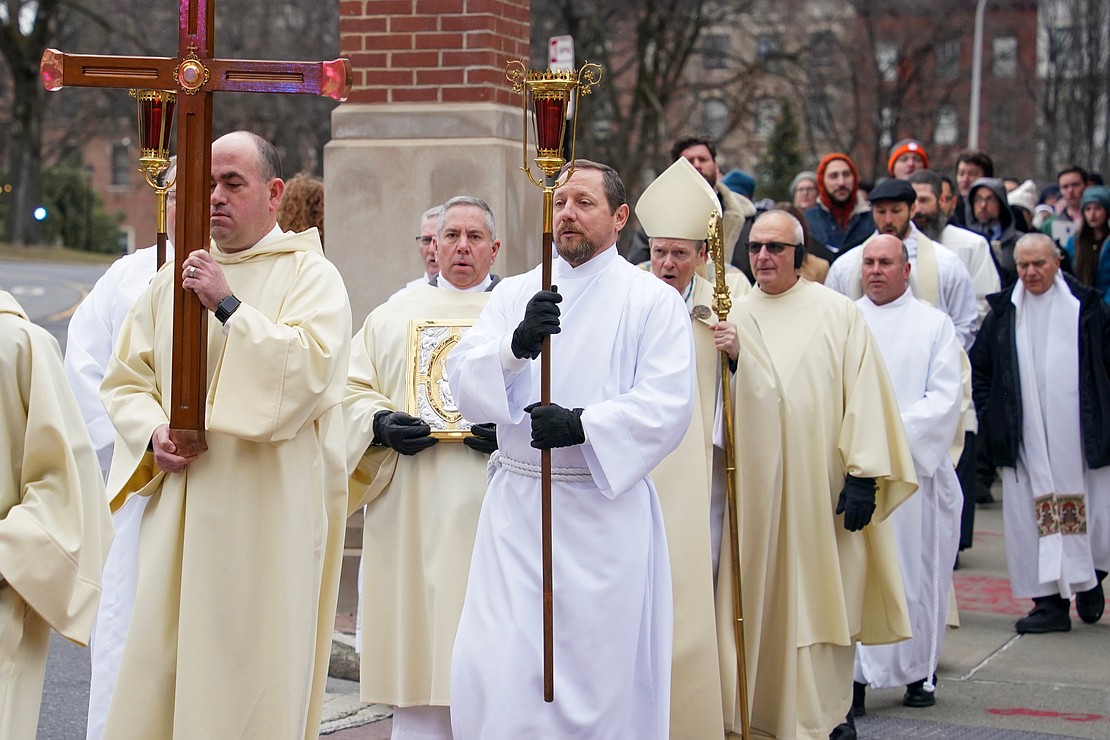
722,305
550,92
545,459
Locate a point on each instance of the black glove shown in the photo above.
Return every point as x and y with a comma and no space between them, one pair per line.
555,426
541,319
484,439
406,434
857,502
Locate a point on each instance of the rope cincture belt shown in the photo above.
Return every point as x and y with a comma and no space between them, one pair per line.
497,460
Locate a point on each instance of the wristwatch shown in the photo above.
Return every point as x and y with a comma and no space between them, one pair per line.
227,307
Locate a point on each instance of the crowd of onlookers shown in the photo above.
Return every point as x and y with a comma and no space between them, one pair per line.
833,201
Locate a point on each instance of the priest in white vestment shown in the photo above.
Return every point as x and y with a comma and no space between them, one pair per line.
241,545
90,338
54,524
674,211
939,277
832,567
922,356
622,390
1043,420
422,494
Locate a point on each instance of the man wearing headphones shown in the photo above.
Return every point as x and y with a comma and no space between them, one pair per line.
846,467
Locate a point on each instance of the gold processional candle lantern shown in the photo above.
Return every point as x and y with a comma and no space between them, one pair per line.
551,93
154,110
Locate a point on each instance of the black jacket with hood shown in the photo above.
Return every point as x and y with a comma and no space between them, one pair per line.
1003,252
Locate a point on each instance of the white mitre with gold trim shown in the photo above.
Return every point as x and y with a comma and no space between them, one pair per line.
677,204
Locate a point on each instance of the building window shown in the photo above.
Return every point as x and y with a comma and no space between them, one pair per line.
768,48
766,116
121,165
1061,44
1003,130
714,117
886,127
1004,56
948,59
945,127
818,111
886,56
714,51
822,47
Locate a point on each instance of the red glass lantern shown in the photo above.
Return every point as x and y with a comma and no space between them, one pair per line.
551,93
155,116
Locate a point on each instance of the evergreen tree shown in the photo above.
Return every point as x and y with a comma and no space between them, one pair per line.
781,160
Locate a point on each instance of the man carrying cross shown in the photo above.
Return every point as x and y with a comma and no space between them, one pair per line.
235,544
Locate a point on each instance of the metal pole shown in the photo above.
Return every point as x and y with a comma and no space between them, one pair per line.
976,77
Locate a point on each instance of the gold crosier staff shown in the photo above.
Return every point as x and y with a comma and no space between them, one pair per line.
154,110
722,305
551,93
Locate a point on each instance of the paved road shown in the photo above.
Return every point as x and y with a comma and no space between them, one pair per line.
49,291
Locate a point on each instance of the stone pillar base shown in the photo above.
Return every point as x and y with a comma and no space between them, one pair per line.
387,164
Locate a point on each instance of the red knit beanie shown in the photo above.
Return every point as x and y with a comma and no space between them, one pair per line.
842,213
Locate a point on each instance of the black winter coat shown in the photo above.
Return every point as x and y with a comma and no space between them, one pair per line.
997,391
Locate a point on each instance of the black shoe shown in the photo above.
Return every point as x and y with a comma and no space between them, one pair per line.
1089,604
846,730
1045,617
917,696
859,694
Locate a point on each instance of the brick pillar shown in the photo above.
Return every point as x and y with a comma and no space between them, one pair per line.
430,116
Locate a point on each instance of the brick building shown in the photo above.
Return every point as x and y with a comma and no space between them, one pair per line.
861,76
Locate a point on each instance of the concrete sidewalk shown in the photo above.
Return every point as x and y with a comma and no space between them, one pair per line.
992,682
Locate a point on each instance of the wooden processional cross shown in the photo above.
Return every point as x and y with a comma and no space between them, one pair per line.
194,74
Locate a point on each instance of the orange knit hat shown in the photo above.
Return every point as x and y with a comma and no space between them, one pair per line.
906,146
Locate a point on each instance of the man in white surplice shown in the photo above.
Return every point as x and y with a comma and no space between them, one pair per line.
922,354
622,387
1044,424
939,276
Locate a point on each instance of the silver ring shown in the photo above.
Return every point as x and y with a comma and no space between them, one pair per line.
192,271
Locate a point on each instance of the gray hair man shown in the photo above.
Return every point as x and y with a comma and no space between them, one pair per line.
1041,383
415,541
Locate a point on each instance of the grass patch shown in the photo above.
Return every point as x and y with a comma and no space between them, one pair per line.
54,254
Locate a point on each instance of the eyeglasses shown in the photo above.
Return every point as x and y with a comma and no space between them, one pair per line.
424,240
772,247
982,200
